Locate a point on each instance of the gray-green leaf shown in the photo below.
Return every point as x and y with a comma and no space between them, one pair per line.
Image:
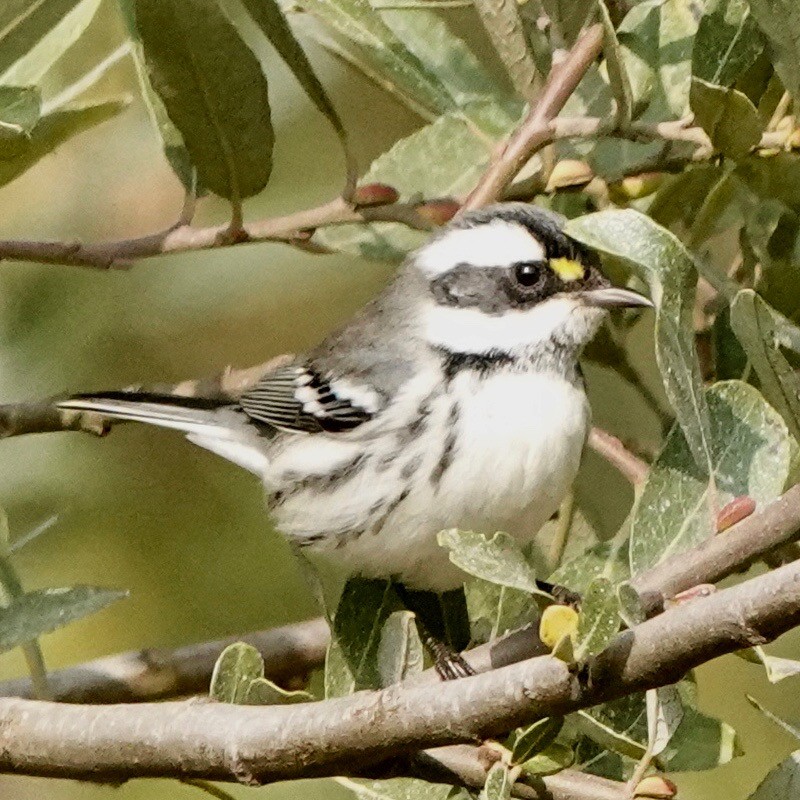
783,782
360,26
498,560
777,668
535,738
400,650
727,116
214,91
549,761
728,41
750,455
53,130
352,661
498,783
661,260
268,16
599,619
171,140
779,20
19,109
34,35
754,324
45,610
237,667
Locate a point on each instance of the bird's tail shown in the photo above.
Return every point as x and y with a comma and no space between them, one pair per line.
212,424
187,414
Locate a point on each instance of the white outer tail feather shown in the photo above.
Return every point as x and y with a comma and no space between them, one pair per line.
210,429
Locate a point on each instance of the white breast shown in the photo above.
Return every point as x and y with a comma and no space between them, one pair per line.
515,446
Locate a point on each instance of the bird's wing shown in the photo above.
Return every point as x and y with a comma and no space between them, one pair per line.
298,398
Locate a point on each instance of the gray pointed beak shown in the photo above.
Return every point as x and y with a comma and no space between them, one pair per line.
614,297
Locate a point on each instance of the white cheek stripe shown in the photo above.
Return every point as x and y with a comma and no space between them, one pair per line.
467,330
495,244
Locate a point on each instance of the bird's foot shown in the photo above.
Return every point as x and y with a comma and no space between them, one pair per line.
449,664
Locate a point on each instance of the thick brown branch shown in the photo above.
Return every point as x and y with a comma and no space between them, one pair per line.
345,736
537,130
289,652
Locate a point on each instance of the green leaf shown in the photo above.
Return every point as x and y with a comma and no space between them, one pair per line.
535,738
599,620
495,610
498,560
238,678
607,559
638,35
352,661
700,742
444,55
237,667
213,89
779,20
269,17
34,35
661,260
676,35
728,42
503,24
782,782
777,668
171,140
498,783
20,107
750,455
400,650
630,605
443,159
45,610
792,730
374,42
53,130
615,738
754,324
549,761
665,713
727,116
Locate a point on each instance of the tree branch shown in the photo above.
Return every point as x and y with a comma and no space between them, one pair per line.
289,652
612,450
290,229
537,130
345,736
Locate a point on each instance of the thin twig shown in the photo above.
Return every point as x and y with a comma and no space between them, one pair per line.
613,451
536,130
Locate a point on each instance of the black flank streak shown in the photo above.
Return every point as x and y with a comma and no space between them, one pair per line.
446,457
378,526
325,482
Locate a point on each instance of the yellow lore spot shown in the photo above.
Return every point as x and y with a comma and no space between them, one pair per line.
567,269
556,623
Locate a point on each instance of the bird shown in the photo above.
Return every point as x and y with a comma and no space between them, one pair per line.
454,399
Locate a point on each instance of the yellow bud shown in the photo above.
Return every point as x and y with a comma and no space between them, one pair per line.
655,787
556,623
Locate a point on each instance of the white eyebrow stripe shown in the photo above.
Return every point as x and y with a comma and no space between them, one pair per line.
495,244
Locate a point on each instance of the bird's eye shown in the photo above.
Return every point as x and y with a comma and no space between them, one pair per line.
527,273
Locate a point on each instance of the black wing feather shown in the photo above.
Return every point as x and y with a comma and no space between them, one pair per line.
297,398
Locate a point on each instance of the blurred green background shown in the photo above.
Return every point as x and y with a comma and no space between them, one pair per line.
145,510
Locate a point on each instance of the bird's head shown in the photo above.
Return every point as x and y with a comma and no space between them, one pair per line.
507,278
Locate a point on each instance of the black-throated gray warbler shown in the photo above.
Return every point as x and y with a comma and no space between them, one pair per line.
454,399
